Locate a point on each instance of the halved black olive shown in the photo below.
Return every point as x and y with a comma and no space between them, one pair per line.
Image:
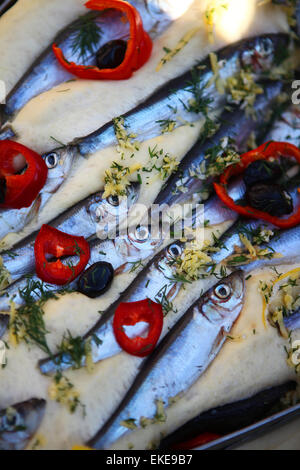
96,280
112,54
270,198
2,190
262,172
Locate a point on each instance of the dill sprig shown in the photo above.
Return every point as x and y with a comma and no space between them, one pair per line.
74,348
30,319
87,35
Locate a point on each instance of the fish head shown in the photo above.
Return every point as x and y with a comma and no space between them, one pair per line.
223,303
138,244
263,53
109,213
19,423
166,263
59,163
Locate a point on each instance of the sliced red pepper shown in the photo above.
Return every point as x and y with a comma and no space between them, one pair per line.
20,190
138,51
129,314
198,441
51,241
267,151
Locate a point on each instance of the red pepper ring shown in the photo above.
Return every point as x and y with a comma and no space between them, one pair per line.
129,314
138,51
51,241
20,189
264,152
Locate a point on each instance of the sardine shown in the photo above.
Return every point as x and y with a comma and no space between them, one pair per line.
96,214
158,282
19,423
173,100
145,120
80,219
46,73
180,359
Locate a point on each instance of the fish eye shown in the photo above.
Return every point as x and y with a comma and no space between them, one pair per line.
223,291
51,160
175,251
142,233
113,201
11,420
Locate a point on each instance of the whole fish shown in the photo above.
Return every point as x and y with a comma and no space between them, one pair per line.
158,281
102,216
145,120
180,359
46,73
81,218
186,97
19,423
125,254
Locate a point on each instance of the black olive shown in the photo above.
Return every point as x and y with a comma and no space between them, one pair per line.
262,172
112,54
270,198
2,190
96,280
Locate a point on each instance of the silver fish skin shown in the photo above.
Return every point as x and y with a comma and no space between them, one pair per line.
122,253
103,216
80,219
292,322
4,321
287,127
173,98
237,124
183,183
156,281
181,358
176,93
19,423
46,73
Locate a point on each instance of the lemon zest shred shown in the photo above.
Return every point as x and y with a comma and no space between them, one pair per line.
180,45
216,73
13,336
288,274
277,316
